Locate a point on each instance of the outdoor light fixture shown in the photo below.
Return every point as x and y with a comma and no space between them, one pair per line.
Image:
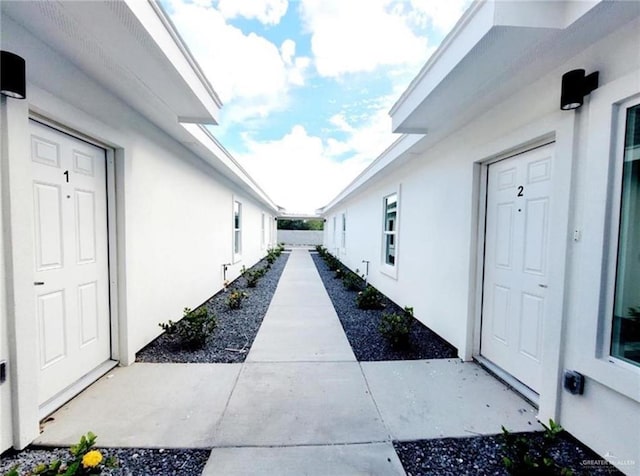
12,75
575,86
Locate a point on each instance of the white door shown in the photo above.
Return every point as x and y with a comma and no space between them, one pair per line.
71,258
516,268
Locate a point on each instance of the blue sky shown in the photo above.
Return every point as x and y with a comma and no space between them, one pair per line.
307,84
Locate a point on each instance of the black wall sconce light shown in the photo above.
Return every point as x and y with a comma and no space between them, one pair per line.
12,75
575,86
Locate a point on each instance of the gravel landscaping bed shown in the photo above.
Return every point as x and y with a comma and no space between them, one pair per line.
236,329
362,326
130,461
482,455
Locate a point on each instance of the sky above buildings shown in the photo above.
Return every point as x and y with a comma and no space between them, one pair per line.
307,84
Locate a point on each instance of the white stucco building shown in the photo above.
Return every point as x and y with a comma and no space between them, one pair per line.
118,208
511,225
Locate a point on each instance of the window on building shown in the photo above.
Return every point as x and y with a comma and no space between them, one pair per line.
625,336
263,230
237,227
390,228
343,240
335,230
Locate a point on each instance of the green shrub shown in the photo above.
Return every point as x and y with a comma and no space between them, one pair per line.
332,262
234,301
352,282
252,276
531,456
273,254
396,328
193,329
369,298
321,250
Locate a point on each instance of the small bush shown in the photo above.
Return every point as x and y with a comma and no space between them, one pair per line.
252,276
396,328
332,262
339,273
321,250
273,254
528,456
193,329
352,282
370,298
234,301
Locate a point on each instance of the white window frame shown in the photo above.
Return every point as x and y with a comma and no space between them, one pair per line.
390,270
343,234
263,231
335,231
604,201
614,240
236,241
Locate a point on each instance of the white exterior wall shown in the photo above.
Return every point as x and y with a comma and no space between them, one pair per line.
180,229
5,388
438,264
172,222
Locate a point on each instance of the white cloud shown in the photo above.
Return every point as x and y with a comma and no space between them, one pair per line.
443,15
301,172
288,51
247,71
267,12
295,171
360,35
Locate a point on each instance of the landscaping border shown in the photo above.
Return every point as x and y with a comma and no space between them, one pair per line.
236,328
362,327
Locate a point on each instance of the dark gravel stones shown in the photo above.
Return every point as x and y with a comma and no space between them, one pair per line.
130,461
362,326
236,329
482,455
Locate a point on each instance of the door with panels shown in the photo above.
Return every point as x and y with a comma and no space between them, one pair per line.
516,268
71,258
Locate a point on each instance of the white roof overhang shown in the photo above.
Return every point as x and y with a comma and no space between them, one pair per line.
496,48
131,49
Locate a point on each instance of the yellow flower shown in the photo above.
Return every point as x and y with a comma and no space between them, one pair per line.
91,459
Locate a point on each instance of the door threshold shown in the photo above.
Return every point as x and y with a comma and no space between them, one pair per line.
516,385
51,405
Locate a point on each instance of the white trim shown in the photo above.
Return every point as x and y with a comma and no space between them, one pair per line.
562,138
237,256
611,255
74,389
602,118
385,268
343,232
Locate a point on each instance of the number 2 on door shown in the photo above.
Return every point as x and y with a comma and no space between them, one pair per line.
520,189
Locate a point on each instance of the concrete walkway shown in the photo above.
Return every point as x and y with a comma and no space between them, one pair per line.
300,404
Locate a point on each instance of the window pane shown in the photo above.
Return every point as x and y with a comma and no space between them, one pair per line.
236,242
236,215
391,210
625,339
390,250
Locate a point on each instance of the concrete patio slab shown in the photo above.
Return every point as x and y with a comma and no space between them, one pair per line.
294,334
379,459
147,405
444,398
279,404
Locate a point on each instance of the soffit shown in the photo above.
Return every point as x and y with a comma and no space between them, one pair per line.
120,49
493,54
